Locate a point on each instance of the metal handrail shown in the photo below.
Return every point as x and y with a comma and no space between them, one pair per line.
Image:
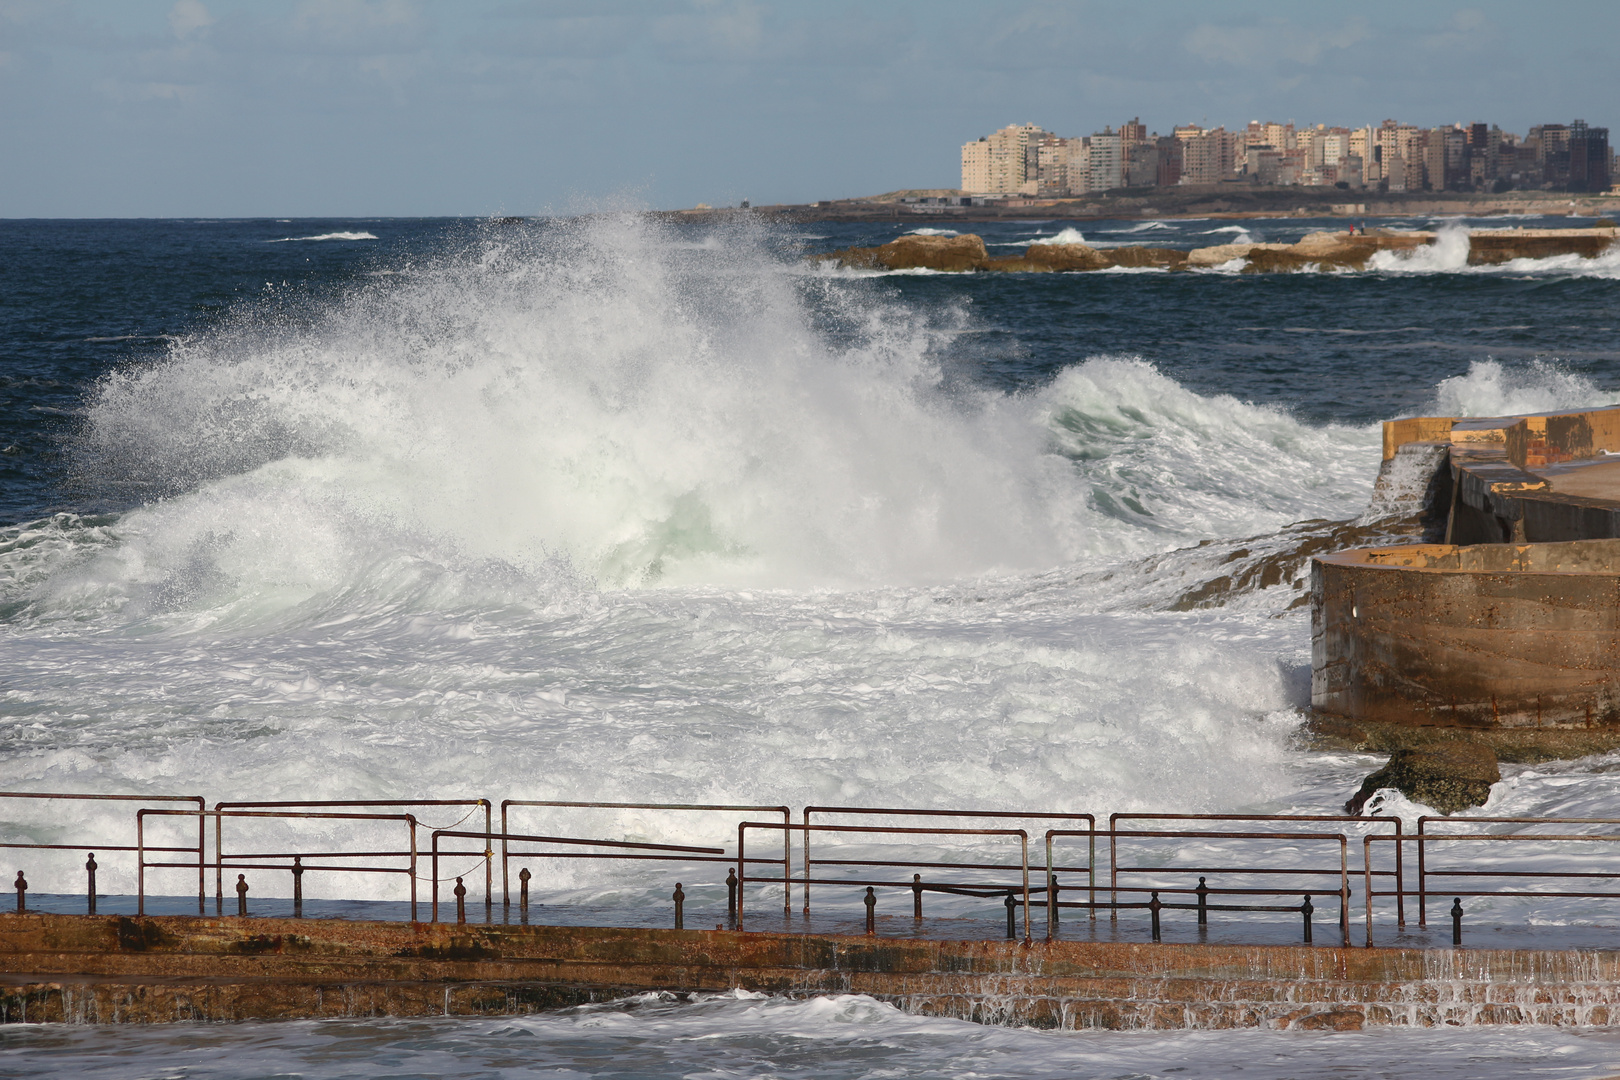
506,887
1424,838
1114,819
142,864
1015,815
219,843
787,829
202,804
1343,872
697,854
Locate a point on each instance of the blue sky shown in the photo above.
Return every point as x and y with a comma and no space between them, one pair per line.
400,107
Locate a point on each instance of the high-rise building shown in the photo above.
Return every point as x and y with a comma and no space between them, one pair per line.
1107,162
1004,162
1589,159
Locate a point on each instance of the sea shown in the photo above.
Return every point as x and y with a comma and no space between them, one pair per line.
624,508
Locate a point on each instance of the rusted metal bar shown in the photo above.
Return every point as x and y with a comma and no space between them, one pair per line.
202,804
241,894
1393,822
506,804
890,830
298,887
90,871
568,840
288,804
871,909
1456,920
680,903
915,812
461,901
219,862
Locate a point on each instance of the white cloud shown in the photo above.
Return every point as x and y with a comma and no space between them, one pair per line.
189,16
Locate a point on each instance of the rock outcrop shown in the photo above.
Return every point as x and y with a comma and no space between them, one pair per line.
1448,776
1318,250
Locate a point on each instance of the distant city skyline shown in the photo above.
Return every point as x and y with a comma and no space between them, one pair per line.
403,107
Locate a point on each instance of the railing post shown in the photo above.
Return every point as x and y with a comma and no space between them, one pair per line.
871,911
1305,909
140,862
731,897
90,870
680,904
742,871
489,863
1456,918
461,901
298,886
523,892
1153,909
241,894
916,896
1051,890
1423,884
1367,879
22,889
1012,916
1203,903
1052,908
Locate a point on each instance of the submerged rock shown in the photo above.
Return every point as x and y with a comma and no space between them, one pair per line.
1448,776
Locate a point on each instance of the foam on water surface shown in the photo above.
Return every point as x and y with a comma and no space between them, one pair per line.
833,1038
591,511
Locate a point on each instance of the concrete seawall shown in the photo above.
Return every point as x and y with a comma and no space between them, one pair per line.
88,969
1512,624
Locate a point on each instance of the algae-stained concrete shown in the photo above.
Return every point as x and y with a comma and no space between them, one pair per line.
56,968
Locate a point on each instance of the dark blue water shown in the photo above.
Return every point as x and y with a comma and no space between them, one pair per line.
81,298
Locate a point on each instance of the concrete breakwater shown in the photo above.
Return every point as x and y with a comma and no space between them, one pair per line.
88,969
1508,628
1335,250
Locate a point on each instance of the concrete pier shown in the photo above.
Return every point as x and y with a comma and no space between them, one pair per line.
88,969
1513,624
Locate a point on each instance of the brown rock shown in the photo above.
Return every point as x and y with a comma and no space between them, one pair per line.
1448,776
1169,258
949,253
1061,257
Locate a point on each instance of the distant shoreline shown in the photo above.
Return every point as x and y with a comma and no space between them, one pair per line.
1216,201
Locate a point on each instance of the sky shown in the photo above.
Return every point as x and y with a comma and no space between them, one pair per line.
232,108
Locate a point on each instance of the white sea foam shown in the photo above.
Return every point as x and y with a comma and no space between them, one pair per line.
1066,236
838,1037
1491,388
933,232
580,513
326,236
1146,226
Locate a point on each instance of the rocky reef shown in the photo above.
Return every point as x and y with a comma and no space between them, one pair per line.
1319,250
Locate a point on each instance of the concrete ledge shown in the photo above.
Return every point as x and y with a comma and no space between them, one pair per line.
88,969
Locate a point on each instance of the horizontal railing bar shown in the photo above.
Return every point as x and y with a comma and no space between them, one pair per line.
1042,816
470,835
644,806
102,798
1233,870
97,847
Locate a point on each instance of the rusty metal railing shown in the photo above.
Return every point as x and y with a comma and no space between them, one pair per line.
91,848
1202,891
1049,870
971,889
219,841
506,888
297,867
623,849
